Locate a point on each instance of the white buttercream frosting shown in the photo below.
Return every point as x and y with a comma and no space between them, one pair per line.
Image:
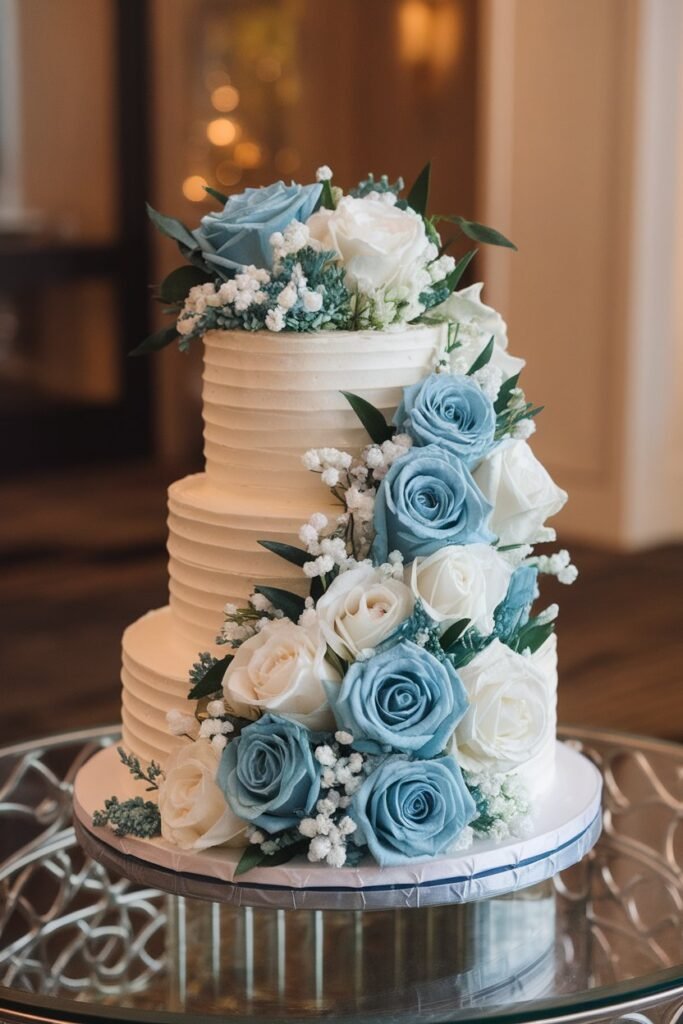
267,399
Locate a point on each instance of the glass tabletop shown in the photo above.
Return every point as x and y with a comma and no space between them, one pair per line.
601,942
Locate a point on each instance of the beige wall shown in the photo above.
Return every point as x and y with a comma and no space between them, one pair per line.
571,173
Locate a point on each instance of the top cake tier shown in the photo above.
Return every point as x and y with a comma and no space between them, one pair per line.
269,397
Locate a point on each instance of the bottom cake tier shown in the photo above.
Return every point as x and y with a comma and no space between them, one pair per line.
566,824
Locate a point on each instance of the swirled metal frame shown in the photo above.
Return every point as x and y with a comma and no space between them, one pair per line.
630,888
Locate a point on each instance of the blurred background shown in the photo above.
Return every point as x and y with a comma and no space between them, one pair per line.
560,122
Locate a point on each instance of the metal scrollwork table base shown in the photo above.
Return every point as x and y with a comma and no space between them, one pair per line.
601,942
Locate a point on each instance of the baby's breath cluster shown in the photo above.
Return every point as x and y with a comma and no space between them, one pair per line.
342,774
242,623
502,805
559,565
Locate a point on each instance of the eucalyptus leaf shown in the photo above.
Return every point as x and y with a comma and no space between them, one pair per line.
483,358
372,419
215,194
454,278
253,857
172,227
160,339
297,556
211,681
532,636
326,197
418,197
453,633
480,232
291,604
175,287
505,392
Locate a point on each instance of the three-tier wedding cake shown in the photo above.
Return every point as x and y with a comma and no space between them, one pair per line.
351,667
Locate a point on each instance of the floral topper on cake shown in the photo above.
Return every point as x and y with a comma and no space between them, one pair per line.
310,258
386,707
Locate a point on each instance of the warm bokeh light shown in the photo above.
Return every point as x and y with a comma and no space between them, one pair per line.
221,131
248,155
227,173
287,160
430,33
193,188
215,77
225,98
268,69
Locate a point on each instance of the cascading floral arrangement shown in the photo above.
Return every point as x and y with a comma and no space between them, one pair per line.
387,713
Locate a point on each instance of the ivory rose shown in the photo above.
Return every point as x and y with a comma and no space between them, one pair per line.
282,669
382,246
511,714
360,608
194,814
464,581
521,490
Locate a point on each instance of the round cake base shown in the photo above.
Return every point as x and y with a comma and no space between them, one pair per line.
566,823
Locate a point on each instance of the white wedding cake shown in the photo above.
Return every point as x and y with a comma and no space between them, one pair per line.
351,667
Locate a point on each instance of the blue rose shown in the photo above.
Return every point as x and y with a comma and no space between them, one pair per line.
238,235
268,774
412,810
426,501
404,699
452,412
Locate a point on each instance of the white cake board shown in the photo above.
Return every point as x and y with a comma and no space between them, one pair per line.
566,822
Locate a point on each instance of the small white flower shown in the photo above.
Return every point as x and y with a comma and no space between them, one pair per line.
180,723
256,836
325,755
336,858
355,763
345,738
568,575
308,828
330,477
287,297
220,742
215,708
325,806
328,778
209,727
275,319
347,826
227,727
523,430
308,618
259,603
374,457
318,521
312,301
319,848
323,173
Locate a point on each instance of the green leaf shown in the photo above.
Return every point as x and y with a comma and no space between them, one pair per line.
532,636
336,661
171,227
175,287
160,339
326,197
483,358
418,196
254,858
211,681
504,393
215,194
480,232
453,633
297,556
453,279
291,604
371,418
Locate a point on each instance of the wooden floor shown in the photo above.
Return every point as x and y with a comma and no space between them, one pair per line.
83,554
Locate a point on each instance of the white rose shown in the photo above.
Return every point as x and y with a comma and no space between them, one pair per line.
478,323
522,492
194,813
461,582
360,608
381,246
511,716
282,669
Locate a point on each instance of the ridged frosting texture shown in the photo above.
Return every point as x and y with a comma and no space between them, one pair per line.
267,398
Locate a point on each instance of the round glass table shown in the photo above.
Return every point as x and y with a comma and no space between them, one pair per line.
601,942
